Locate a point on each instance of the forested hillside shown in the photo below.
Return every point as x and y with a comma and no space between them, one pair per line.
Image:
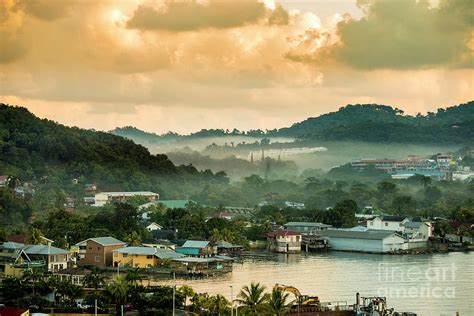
381,123
34,149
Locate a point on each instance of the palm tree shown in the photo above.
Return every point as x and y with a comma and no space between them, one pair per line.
35,236
118,290
133,239
215,236
218,304
277,304
253,298
186,291
135,275
95,279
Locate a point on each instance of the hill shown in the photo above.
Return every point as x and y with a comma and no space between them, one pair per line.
359,122
34,149
381,123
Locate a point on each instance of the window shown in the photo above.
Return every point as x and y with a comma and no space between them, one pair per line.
98,248
115,254
124,255
149,257
97,258
371,223
386,224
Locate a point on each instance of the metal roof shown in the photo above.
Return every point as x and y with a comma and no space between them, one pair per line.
12,245
370,234
191,259
168,254
392,218
307,224
137,250
107,241
44,250
195,244
225,244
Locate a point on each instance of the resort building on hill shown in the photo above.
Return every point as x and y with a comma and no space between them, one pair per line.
306,228
284,241
99,251
103,198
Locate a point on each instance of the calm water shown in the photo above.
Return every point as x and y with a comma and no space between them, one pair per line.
439,284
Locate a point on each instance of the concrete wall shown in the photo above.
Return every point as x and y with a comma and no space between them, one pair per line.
348,244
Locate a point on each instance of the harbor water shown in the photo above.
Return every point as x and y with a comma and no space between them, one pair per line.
430,285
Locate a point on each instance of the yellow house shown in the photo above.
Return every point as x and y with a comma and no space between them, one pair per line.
142,257
13,262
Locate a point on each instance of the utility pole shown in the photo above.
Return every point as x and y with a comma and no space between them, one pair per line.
231,300
174,293
95,306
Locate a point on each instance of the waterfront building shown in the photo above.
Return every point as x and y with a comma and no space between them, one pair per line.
226,248
197,248
142,257
103,198
364,241
418,230
306,228
98,251
284,241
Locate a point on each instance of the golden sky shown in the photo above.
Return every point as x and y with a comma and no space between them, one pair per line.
191,64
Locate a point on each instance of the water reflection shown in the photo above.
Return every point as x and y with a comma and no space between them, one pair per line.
439,284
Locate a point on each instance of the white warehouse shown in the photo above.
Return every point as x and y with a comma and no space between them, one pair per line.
364,241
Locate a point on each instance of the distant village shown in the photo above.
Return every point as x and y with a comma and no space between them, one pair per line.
375,233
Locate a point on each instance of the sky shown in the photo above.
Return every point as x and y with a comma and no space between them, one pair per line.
185,65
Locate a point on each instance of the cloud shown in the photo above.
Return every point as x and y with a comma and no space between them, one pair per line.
404,34
195,15
44,9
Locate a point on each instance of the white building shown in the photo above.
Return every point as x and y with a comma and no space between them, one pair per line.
418,230
364,241
284,241
154,226
103,198
392,223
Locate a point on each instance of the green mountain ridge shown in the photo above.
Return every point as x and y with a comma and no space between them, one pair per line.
359,122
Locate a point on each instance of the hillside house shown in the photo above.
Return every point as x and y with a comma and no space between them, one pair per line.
159,243
388,222
99,251
226,248
55,259
13,262
104,198
284,241
197,248
306,228
154,226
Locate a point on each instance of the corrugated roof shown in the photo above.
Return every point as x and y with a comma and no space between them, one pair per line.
392,218
307,224
44,250
107,241
168,254
370,234
195,244
283,233
12,245
225,244
191,259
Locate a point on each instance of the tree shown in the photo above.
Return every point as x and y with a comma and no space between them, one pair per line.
135,275
95,279
133,239
253,298
35,236
277,304
118,291
186,291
